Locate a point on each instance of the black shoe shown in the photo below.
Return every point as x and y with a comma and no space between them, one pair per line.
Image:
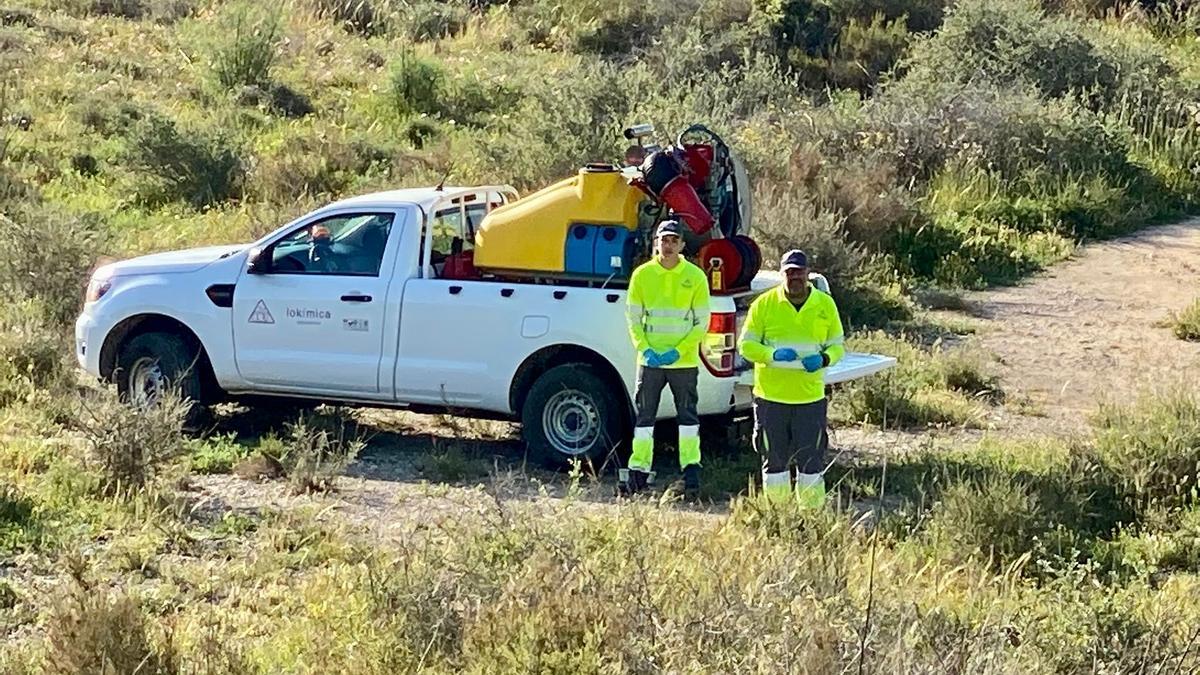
633,482
691,481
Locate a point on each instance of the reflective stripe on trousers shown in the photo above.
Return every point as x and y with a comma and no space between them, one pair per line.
647,396
642,457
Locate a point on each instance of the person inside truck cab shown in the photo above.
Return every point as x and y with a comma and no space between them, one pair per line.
320,250
635,155
345,245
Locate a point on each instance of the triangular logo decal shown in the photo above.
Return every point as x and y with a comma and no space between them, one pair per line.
261,314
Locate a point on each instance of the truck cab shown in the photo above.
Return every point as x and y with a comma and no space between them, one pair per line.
362,302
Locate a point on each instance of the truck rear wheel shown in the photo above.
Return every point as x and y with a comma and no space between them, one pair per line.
571,412
151,364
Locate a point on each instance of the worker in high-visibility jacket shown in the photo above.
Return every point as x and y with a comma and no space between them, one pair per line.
668,313
791,334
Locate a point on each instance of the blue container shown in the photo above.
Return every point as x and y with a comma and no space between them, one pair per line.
612,243
580,249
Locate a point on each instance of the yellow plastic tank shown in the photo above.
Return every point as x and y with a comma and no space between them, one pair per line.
530,234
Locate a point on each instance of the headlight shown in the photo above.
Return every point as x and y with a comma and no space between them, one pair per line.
96,289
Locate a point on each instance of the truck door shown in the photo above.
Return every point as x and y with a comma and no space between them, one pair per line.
308,314
453,332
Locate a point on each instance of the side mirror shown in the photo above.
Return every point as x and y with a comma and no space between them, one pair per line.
259,261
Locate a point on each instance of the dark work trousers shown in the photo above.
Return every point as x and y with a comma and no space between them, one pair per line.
647,395
786,433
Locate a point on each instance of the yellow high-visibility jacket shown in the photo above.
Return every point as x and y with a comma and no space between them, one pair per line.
668,309
774,323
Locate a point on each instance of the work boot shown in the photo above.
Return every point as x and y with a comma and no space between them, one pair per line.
691,481
632,481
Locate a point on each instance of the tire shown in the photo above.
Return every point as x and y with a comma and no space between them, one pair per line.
152,363
571,412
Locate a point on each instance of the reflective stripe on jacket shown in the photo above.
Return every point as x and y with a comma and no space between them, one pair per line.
774,323
668,309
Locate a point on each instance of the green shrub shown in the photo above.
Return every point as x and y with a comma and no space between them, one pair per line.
22,528
1151,447
425,20
995,517
245,46
864,51
216,454
33,353
48,258
320,163
931,388
193,166
417,85
1186,324
131,447
356,16
784,220
1012,41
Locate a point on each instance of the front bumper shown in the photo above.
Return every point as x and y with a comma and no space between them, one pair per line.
88,341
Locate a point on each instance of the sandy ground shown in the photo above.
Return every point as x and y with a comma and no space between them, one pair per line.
1087,330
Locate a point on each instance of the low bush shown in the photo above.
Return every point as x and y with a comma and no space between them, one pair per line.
162,11
1186,324
95,630
130,447
216,454
20,526
321,164
925,388
47,258
356,16
417,85
189,165
424,20
316,451
421,87
1151,447
994,517
33,353
785,219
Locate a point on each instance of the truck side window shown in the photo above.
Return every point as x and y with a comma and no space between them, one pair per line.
453,236
342,245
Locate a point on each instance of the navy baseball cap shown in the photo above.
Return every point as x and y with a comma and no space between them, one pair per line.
794,259
669,227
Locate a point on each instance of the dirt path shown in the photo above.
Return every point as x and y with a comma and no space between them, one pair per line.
1085,331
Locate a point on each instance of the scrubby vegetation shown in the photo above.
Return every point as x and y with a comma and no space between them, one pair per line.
903,142
1003,557
914,147
1186,324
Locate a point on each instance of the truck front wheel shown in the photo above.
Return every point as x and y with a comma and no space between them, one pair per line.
151,364
571,412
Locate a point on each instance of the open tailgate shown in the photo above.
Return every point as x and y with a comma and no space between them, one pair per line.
852,366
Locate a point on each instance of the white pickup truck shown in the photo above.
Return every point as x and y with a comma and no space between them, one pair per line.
367,320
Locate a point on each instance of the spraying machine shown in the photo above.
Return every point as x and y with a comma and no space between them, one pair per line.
598,225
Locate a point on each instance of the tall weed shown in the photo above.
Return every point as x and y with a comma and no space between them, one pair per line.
246,40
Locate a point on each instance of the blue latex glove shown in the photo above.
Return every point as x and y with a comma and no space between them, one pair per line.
812,363
669,357
784,354
651,358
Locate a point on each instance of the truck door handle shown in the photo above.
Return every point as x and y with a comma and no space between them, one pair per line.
455,290
356,298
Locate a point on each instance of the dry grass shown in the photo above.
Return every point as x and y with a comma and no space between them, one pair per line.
1186,324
